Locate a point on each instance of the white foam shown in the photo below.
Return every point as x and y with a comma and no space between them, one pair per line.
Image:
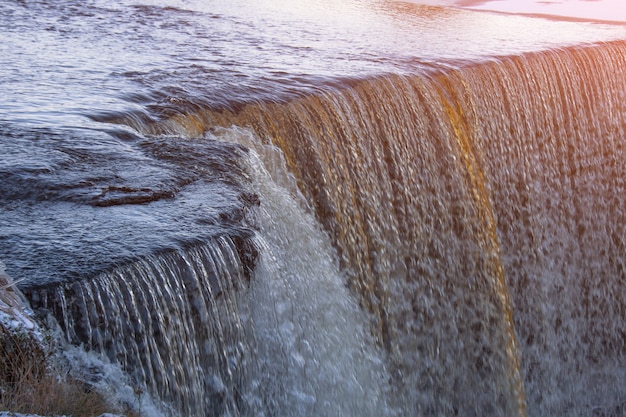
110,381
315,355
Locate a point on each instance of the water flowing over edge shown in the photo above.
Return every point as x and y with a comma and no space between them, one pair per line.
533,143
477,215
236,325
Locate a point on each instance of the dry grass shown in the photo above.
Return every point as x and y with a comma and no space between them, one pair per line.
28,382
28,385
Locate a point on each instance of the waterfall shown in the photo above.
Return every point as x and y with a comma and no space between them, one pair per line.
253,324
478,215
449,243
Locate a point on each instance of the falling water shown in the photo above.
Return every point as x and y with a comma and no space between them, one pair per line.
558,192
478,216
157,318
203,333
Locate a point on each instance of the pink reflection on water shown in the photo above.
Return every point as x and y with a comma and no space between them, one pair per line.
610,10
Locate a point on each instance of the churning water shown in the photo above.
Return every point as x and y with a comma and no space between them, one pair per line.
339,208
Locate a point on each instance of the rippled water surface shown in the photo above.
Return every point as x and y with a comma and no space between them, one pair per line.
66,61
81,79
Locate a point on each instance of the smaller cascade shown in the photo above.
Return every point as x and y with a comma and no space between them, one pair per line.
174,322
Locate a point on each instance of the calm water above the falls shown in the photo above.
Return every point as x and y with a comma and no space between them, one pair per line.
320,208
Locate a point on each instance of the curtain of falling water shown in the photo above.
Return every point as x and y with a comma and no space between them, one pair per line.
552,130
438,189
478,216
389,168
175,322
